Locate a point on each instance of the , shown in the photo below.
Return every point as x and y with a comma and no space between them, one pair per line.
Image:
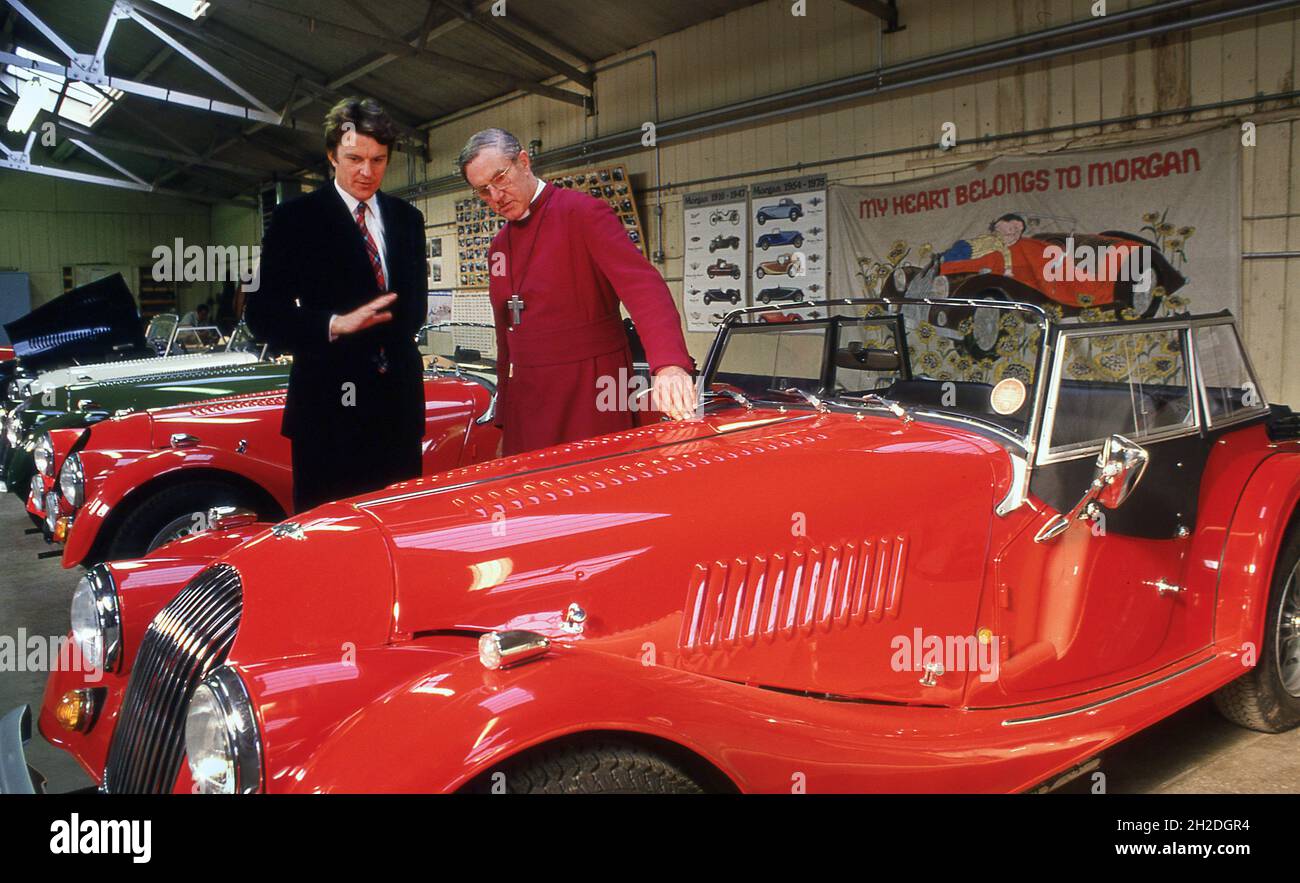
1108,512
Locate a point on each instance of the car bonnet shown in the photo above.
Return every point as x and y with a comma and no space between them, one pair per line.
318,582
625,519
86,374
88,323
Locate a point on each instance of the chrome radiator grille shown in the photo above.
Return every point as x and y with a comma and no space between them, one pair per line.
186,640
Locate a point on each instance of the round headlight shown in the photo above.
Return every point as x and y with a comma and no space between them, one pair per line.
96,626
221,741
72,481
43,454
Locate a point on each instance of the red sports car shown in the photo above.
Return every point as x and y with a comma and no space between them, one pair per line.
924,581
127,485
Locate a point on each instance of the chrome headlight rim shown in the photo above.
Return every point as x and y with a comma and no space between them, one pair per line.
43,455
99,584
226,694
72,481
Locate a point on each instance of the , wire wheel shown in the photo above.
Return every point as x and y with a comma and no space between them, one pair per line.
1267,698
985,328
986,331
1287,658
590,767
